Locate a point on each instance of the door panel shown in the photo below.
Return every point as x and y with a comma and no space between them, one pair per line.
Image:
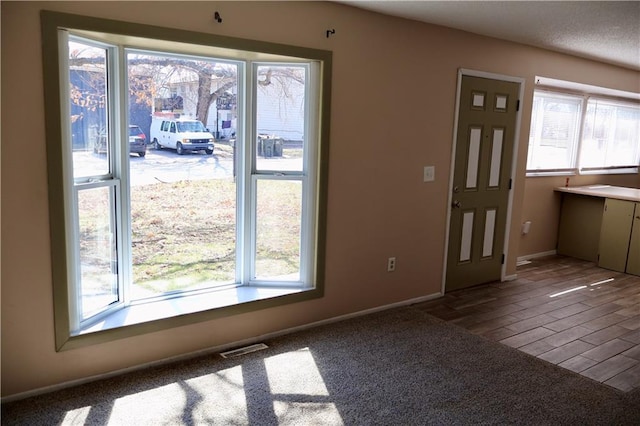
482,167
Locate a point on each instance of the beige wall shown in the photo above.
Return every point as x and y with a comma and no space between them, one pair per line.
394,85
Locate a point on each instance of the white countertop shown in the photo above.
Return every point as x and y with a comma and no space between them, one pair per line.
603,191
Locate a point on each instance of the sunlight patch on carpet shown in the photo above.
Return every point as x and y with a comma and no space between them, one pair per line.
290,413
295,373
298,389
77,416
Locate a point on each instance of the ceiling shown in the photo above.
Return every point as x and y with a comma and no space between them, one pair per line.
607,31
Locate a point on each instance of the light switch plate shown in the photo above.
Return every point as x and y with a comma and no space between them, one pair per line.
429,173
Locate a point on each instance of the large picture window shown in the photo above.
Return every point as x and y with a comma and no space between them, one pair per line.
190,171
583,133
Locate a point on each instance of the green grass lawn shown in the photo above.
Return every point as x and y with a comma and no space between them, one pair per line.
184,233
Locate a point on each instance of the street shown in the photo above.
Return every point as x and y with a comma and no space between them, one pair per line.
167,166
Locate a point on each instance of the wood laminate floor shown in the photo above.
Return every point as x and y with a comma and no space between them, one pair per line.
563,310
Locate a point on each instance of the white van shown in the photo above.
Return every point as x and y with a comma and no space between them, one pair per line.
181,134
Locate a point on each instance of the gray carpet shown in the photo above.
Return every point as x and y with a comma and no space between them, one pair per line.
398,367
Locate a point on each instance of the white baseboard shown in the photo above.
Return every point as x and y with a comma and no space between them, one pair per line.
213,350
536,255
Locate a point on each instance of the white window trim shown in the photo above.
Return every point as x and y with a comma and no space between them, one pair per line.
569,171
626,169
136,318
586,93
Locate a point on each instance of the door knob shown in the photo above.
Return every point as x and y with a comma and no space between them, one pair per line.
456,204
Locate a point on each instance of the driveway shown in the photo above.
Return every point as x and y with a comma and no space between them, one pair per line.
166,166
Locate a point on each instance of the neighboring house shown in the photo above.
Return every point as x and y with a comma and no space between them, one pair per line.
280,109
86,121
89,119
222,118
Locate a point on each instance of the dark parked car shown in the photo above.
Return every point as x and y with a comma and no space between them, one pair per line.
137,142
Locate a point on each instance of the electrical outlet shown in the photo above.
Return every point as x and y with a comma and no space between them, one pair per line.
391,264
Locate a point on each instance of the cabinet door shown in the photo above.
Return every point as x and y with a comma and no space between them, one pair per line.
580,223
633,260
615,233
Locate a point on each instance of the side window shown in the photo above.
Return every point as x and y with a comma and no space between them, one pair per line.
610,136
583,133
173,127
555,132
165,126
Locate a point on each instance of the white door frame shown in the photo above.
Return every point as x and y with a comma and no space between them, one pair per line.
514,161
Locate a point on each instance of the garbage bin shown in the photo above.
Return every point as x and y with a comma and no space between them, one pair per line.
260,147
277,148
267,145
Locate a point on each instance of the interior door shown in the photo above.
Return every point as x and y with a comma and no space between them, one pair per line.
481,181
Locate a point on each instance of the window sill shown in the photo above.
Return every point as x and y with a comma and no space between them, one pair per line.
157,310
168,313
543,173
615,171
612,171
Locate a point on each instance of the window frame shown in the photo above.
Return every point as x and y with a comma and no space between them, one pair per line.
307,176
571,170
590,93
59,169
610,169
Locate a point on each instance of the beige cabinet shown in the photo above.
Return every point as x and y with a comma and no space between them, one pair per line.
633,259
601,223
580,223
615,234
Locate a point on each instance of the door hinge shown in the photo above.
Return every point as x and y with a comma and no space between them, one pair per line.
510,183
502,259
518,105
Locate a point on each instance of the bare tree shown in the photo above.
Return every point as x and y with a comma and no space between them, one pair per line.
151,75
